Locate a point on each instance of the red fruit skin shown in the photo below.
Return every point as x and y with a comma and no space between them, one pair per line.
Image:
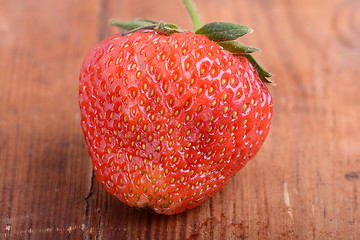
168,119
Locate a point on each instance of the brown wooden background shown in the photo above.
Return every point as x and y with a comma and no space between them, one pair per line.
303,184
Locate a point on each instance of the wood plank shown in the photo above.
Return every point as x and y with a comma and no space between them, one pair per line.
44,174
303,184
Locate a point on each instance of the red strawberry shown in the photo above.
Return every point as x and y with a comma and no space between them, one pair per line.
169,117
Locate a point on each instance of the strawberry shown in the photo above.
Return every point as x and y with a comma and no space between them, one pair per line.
168,115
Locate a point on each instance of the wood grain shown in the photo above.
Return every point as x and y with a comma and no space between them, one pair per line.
303,184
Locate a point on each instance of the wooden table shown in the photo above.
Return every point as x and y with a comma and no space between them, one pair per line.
303,184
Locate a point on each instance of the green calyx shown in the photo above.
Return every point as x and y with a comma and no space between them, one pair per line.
131,26
223,33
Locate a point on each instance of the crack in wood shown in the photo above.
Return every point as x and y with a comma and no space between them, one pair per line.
99,235
287,201
87,205
7,230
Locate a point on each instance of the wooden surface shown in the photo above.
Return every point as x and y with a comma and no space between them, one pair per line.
303,184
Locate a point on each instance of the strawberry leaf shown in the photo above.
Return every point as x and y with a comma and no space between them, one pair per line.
237,48
132,24
147,20
168,28
263,74
127,27
223,31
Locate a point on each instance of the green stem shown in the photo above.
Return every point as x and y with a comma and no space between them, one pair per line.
195,17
